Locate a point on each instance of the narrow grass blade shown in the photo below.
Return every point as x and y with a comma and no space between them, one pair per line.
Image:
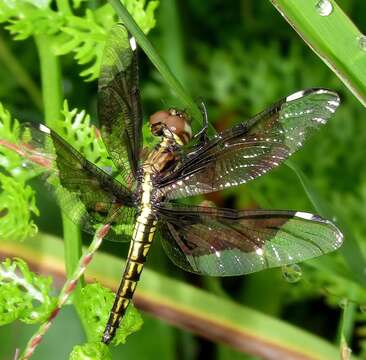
155,58
332,36
185,306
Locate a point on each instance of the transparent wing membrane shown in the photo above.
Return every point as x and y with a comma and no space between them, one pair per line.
225,242
119,107
86,194
250,149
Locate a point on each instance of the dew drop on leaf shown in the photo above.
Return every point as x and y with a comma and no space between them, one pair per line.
292,273
362,42
324,7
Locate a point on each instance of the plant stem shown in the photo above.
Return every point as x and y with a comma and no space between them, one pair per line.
155,58
52,99
21,76
188,307
51,79
334,38
67,289
346,328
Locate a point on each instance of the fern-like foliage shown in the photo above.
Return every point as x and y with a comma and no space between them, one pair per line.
84,36
10,160
75,127
91,351
17,204
96,313
24,296
17,201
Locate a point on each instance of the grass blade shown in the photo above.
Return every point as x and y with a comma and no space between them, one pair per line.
334,38
185,306
156,59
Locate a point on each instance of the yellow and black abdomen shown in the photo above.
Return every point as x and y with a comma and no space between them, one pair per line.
142,238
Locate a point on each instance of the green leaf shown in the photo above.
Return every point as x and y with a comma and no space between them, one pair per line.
197,310
17,204
91,351
85,36
143,14
135,29
332,36
82,35
11,160
74,126
96,302
24,296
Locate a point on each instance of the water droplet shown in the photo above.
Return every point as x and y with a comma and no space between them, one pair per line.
362,42
363,308
292,273
324,7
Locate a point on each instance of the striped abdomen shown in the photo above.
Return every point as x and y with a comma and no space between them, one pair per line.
141,241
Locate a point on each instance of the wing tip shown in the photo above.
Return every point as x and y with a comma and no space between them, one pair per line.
335,99
44,129
312,217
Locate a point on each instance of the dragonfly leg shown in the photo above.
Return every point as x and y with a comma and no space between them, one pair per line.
202,134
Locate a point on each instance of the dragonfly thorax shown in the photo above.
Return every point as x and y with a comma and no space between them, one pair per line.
161,158
172,123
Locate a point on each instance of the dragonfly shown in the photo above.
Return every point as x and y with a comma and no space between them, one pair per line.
145,194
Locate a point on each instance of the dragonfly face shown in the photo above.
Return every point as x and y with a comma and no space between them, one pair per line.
200,239
172,123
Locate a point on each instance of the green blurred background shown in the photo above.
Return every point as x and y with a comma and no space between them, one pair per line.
239,57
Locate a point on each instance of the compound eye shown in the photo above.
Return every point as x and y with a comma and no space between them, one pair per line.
159,117
177,122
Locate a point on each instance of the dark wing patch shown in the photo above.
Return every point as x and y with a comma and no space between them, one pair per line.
119,107
251,149
224,242
86,194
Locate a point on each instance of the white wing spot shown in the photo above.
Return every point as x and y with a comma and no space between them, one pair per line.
304,215
133,43
295,96
44,129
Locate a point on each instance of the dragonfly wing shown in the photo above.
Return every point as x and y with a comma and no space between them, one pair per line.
250,149
119,107
87,195
225,242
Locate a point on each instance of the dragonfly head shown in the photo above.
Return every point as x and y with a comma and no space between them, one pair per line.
171,123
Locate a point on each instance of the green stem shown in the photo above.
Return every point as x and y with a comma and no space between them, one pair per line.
188,307
51,79
333,37
155,58
73,250
21,76
52,100
347,322
346,328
